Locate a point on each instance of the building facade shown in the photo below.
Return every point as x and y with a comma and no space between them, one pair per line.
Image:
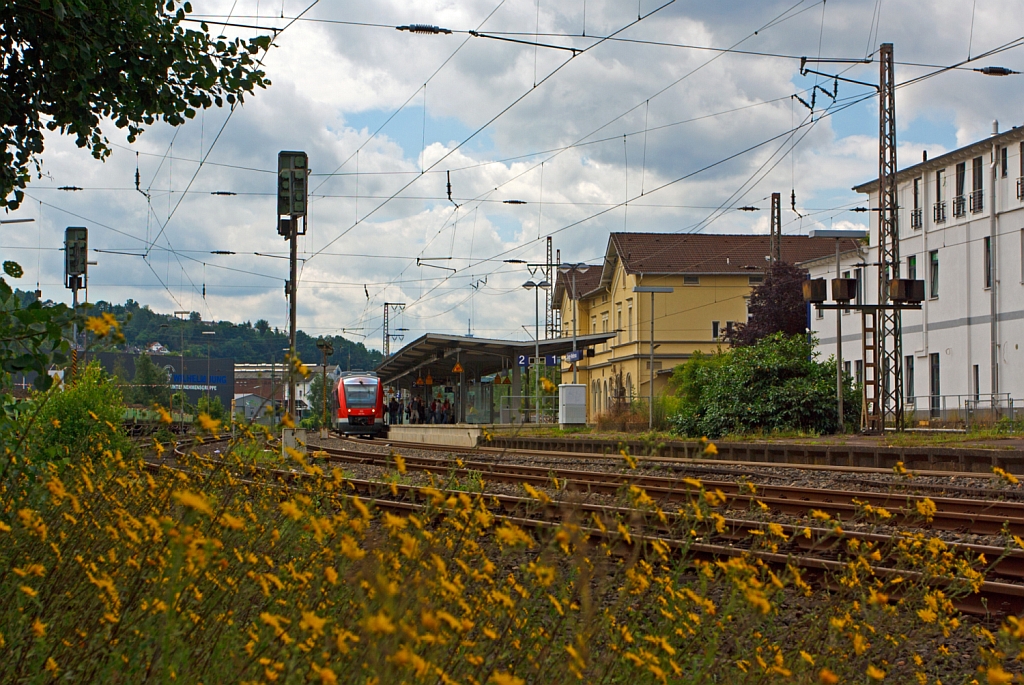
711,276
961,226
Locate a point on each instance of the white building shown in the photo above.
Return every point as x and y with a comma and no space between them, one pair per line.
965,343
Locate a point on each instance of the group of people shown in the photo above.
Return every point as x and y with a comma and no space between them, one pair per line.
418,411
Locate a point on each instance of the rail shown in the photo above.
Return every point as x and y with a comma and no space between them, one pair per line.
939,212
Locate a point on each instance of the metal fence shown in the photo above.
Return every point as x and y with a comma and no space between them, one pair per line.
523,409
962,411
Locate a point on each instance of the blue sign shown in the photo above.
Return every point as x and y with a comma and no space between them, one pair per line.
574,356
551,360
523,360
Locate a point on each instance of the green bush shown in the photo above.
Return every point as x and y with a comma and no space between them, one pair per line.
86,413
775,385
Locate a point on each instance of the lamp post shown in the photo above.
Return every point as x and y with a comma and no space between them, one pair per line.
536,288
652,289
839,234
572,270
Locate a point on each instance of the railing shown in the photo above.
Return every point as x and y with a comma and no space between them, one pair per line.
523,409
939,212
1020,188
959,205
977,201
916,218
960,411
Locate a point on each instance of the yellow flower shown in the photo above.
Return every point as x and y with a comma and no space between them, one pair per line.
192,501
327,676
512,535
827,677
28,591
807,657
165,416
380,623
501,678
927,615
208,424
291,510
102,325
232,522
875,673
331,575
287,421
997,676
51,666
38,628
711,449
400,463
926,509
312,622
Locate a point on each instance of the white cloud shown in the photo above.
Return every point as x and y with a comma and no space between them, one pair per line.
334,84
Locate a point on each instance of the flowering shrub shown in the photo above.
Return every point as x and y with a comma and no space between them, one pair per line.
215,572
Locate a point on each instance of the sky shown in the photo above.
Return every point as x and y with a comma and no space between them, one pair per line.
641,128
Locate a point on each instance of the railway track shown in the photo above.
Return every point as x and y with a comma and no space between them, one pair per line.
976,516
818,553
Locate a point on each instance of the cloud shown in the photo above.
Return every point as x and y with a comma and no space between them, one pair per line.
640,121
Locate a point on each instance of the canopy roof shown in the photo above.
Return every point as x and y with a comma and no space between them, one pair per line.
436,354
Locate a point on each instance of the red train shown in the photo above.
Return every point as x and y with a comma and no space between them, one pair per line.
360,405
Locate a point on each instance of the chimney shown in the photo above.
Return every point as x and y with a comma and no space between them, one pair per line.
924,156
995,127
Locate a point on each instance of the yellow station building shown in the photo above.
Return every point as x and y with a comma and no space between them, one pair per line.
711,276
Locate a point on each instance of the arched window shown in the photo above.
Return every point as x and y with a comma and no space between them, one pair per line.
629,387
605,403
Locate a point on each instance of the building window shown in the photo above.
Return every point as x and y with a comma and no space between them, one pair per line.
593,324
714,330
977,193
819,313
756,280
939,210
1004,162
933,274
729,325
618,321
977,385
847,368
629,318
858,372
604,328
933,382
691,280
629,387
912,267
959,201
916,219
908,377
988,261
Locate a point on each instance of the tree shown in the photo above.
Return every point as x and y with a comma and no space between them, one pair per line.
776,306
774,385
68,63
150,384
315,398
262,326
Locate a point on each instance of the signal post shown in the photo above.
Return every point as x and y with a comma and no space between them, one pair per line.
292,188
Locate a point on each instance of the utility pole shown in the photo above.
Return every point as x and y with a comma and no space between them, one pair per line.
549,313
388,335
775,235
890,324
292,186
76,268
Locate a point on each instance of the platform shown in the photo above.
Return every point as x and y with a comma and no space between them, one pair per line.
453,435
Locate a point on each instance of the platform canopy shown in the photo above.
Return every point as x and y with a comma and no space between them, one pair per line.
436,355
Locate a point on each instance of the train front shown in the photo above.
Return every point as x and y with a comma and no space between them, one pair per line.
360,406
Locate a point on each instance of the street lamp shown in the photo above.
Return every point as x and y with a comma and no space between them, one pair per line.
572,270
652,289
839,234
536,288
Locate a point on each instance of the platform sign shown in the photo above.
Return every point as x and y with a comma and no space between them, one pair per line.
574,356
552,360
523,360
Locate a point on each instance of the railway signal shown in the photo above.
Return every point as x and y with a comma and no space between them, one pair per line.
292,189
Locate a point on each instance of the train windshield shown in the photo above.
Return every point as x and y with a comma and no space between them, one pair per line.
361,393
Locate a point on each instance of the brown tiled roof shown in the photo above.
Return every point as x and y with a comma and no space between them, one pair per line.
585,283
697,253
